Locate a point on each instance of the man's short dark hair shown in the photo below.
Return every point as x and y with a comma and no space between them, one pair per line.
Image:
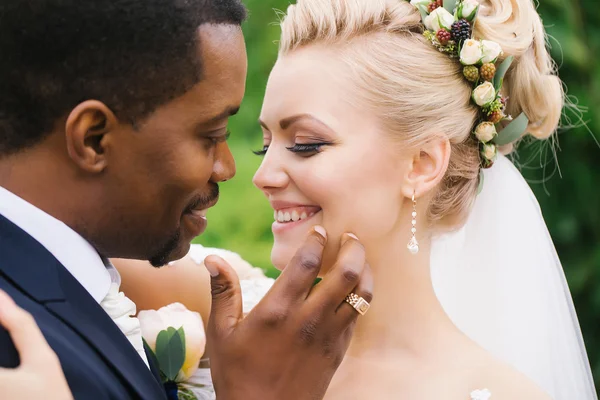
133,55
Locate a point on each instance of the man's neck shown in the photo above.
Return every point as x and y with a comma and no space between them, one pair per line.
35,176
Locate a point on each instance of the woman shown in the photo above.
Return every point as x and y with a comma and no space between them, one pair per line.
368,128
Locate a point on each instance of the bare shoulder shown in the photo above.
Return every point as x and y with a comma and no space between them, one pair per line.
505,382
151,288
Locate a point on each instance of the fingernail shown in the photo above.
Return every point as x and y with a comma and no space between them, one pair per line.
347,236
211,267
320,230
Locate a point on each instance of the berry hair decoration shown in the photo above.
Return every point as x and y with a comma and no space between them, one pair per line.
449,28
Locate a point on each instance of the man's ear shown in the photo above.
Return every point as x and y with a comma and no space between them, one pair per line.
85,131
427,168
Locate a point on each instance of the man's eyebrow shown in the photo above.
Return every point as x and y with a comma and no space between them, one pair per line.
228,112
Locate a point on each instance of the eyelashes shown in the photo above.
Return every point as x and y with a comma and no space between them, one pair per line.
261,152
306,149
219,139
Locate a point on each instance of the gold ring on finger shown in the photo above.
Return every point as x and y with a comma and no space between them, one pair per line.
358,303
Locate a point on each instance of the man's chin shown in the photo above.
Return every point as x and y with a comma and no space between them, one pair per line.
173,251
181,251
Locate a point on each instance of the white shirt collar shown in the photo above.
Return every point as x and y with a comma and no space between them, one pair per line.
69,248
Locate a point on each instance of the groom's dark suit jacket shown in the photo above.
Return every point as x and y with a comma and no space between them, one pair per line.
96,357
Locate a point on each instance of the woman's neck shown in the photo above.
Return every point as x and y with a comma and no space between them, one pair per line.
405,314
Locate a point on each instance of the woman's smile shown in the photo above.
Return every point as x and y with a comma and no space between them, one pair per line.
291,215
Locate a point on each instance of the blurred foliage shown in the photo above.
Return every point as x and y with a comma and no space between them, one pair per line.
564,185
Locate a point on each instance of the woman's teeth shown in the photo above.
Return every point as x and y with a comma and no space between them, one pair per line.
293,216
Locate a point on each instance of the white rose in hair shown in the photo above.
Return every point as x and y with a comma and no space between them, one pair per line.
484,94
491,51
440,18
489,151
471,53
467,9
485,131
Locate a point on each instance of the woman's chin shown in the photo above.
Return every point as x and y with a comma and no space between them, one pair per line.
280,259
282,254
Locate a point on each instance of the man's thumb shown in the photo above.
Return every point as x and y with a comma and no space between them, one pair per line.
226,307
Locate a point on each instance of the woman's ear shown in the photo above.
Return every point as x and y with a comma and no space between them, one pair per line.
427,168
85,129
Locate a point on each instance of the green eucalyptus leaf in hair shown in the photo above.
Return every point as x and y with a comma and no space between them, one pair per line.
501,71
512,131
450,5
421,5
423,11
480,186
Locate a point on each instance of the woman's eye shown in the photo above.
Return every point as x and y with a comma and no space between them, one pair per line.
261,152
308,148
304,150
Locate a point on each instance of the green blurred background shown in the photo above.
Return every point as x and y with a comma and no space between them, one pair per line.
570,200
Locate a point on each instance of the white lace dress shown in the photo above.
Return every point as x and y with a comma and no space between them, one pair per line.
254,286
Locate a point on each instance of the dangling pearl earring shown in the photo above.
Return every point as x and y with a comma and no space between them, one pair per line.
413,244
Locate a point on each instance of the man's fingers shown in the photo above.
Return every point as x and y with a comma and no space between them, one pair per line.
346,314
344,277
226,306
298,277
24,332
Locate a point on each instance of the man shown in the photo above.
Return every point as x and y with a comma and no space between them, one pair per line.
113,120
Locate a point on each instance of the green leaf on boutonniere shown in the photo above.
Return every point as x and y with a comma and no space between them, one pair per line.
501,71
170,352
150,352
512,131
182,336
450,5
186,394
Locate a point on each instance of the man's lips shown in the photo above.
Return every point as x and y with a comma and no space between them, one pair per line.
201,206
195,219
194,222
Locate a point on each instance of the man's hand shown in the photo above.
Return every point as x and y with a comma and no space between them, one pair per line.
40,375
291,344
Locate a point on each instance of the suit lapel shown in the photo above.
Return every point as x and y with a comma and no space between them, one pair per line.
153,365
84,315
32,268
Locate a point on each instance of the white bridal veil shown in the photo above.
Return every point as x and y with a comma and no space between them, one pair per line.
500,280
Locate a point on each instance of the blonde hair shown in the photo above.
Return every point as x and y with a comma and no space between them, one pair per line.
419,92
